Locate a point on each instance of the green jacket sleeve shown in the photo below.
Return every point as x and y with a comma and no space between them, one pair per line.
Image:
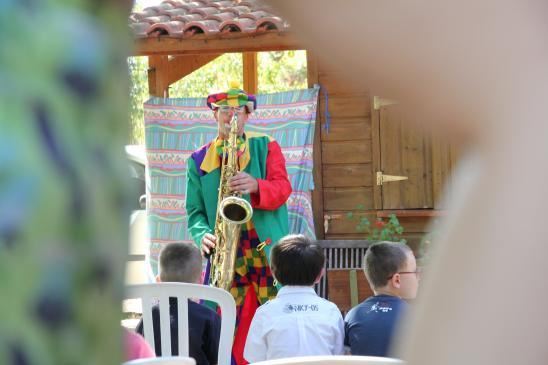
195,208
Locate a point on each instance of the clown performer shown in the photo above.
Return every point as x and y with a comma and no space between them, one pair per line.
262,180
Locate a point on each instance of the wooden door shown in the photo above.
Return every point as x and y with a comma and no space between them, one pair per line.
401,150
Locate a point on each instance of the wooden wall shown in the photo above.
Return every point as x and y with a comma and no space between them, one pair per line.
348,156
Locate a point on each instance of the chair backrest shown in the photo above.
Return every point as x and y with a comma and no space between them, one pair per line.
170,360
159,293
334,360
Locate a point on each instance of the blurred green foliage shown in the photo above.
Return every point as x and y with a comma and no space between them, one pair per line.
64,181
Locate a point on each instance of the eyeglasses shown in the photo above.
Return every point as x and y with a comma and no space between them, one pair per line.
229,109
417,272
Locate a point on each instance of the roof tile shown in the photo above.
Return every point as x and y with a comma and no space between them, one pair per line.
251,4
175,3
190,5
144,14
201,26
221,4
184,18
238,10
205,11
270,23
256,5
238,25
188,17
172,13
156,19
221,17
165,5
133,18
140,29
256,15
173,28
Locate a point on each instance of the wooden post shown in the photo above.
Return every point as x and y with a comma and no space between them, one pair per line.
317,193
158,76
250,72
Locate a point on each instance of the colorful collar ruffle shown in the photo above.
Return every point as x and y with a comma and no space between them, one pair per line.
212,158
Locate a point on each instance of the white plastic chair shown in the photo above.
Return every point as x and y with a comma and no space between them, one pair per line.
333,360
171,360
159,293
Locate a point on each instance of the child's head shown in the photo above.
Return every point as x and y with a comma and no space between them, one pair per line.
180,262
296,260
391,268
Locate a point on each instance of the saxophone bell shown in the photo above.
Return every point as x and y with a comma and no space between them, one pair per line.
235,210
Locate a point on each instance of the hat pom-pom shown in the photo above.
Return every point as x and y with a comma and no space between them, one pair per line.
234,84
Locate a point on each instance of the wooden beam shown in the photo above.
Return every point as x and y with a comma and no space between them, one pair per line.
201,44
181,66
317,193
400,213
344,243
376,155
158,84
251,79
151,77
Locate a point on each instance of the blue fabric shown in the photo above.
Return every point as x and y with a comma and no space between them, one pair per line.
327,115
371,325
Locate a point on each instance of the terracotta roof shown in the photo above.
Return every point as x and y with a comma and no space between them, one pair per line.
185,18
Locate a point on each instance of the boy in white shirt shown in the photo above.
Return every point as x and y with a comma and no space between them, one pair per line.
297,322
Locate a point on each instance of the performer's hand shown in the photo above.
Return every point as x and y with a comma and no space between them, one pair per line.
244,183
208,243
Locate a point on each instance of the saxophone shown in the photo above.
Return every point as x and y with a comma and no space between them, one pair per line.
232,211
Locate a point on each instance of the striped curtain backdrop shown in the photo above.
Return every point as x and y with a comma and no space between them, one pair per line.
174,128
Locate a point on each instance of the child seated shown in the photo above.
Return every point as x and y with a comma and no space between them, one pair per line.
182,262
297,322
392,272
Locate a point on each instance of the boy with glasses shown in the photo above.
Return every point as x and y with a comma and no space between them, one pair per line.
392,272
262,180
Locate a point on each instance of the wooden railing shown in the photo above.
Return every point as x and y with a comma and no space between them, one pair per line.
344,267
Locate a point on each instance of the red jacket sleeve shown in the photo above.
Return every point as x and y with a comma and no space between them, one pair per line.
276,188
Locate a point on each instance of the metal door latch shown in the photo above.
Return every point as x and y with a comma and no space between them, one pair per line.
381,178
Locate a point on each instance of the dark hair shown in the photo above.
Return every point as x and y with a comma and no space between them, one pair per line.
180,262
382,260
296,260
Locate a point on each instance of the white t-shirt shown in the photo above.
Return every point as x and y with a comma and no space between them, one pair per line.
297,323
